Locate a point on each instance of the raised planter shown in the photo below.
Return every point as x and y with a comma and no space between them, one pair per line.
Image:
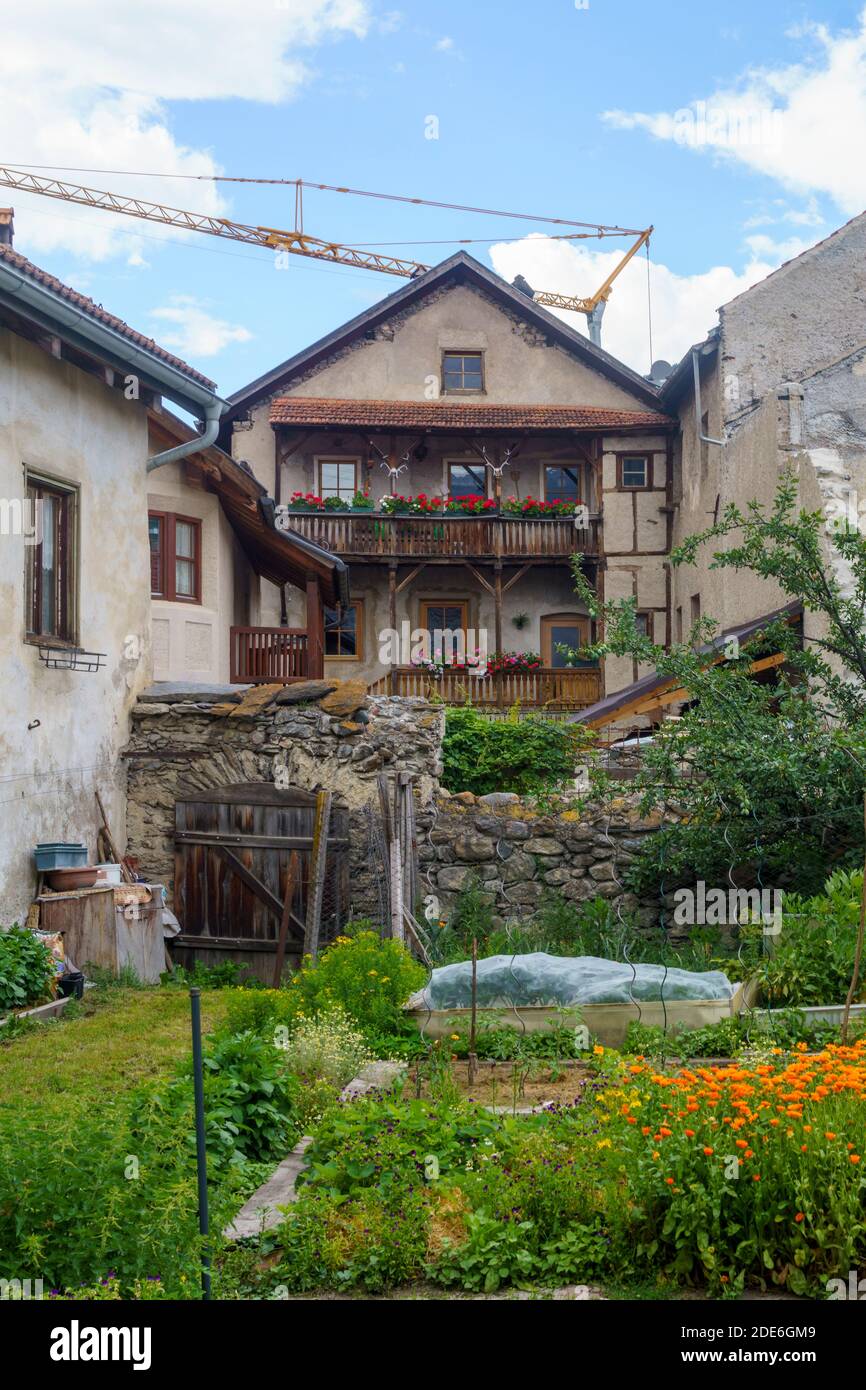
49,1010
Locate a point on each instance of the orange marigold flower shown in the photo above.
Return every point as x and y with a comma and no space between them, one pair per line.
756,1177
741,1143
830,1134
854,1158
669,1181
707,1151
800,1216
690,1134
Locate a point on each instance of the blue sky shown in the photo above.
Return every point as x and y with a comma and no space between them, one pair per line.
590,113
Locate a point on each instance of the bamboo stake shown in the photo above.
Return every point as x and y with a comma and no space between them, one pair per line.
473,1060
858,949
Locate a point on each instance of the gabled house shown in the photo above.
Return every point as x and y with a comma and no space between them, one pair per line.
514,442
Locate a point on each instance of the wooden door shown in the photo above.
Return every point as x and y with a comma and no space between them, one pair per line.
232,851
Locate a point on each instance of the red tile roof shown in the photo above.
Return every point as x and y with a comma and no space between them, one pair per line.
451,415
96,311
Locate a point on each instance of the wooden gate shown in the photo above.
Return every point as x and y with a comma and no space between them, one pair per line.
233,849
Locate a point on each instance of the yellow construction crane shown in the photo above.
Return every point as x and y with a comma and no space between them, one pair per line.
299,243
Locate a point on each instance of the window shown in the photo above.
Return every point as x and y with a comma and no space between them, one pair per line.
344,632
569,630
562,482
451,616
643,619
175,557
679,624
467,480
695,608
51,574
462,371
635,471
337,478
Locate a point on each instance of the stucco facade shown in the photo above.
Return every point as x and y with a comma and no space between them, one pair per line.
61,732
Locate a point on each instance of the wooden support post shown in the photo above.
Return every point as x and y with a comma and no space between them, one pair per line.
392,610
284,920
497,611
315,888
315,630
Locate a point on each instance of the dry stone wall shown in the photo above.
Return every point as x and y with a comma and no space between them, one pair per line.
191,738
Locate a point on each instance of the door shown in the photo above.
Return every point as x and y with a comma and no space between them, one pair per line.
233,846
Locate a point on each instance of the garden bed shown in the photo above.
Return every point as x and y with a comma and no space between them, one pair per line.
507,1084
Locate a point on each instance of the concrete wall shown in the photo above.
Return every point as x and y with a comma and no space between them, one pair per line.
191,640
69,425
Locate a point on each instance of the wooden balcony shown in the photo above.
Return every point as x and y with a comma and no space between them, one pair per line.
548,688
268,655
371,536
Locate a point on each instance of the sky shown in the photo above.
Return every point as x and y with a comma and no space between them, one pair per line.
737,131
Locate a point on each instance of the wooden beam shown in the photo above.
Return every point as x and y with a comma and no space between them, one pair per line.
476,575
261,890
316,882
284,920
409,577
524,569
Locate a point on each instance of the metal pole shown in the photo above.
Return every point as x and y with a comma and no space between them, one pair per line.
200,1150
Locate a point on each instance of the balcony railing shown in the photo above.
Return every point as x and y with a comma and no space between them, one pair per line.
452,536
268,655
557,689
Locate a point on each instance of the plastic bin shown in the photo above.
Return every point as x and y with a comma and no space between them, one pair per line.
59,854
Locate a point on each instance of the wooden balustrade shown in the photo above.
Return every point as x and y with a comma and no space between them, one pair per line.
268,655
449,536
555,688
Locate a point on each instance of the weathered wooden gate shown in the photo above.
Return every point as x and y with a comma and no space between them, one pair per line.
233,849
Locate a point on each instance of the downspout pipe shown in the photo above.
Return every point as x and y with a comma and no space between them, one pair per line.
699,414
208,436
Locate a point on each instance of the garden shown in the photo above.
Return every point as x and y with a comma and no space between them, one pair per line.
713,1161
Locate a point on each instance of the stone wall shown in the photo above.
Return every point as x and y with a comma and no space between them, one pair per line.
517,852
192,738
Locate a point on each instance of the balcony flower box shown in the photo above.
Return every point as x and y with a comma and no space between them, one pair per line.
420,505
535,507
474,505
436,666
514,663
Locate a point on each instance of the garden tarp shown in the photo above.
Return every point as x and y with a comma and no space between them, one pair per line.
564,981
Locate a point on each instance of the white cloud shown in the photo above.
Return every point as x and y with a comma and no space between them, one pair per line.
196,333
803,124
85,83
444,45
683,306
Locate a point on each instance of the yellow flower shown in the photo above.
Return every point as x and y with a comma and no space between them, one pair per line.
598,1051
603,1144
455,1037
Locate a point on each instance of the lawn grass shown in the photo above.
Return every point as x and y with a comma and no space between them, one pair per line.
120,1038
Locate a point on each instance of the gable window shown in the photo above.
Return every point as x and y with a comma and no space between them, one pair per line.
175,557
462,371
635,471
344,632
564,630
562,483
337,478
467,480
51,565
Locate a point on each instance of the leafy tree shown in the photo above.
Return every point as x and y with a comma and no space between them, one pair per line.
766,773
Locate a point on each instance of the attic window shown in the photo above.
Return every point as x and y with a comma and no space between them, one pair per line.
462,371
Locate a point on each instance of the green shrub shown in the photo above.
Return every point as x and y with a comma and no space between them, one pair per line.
812,960
27,969
484,755
368,976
